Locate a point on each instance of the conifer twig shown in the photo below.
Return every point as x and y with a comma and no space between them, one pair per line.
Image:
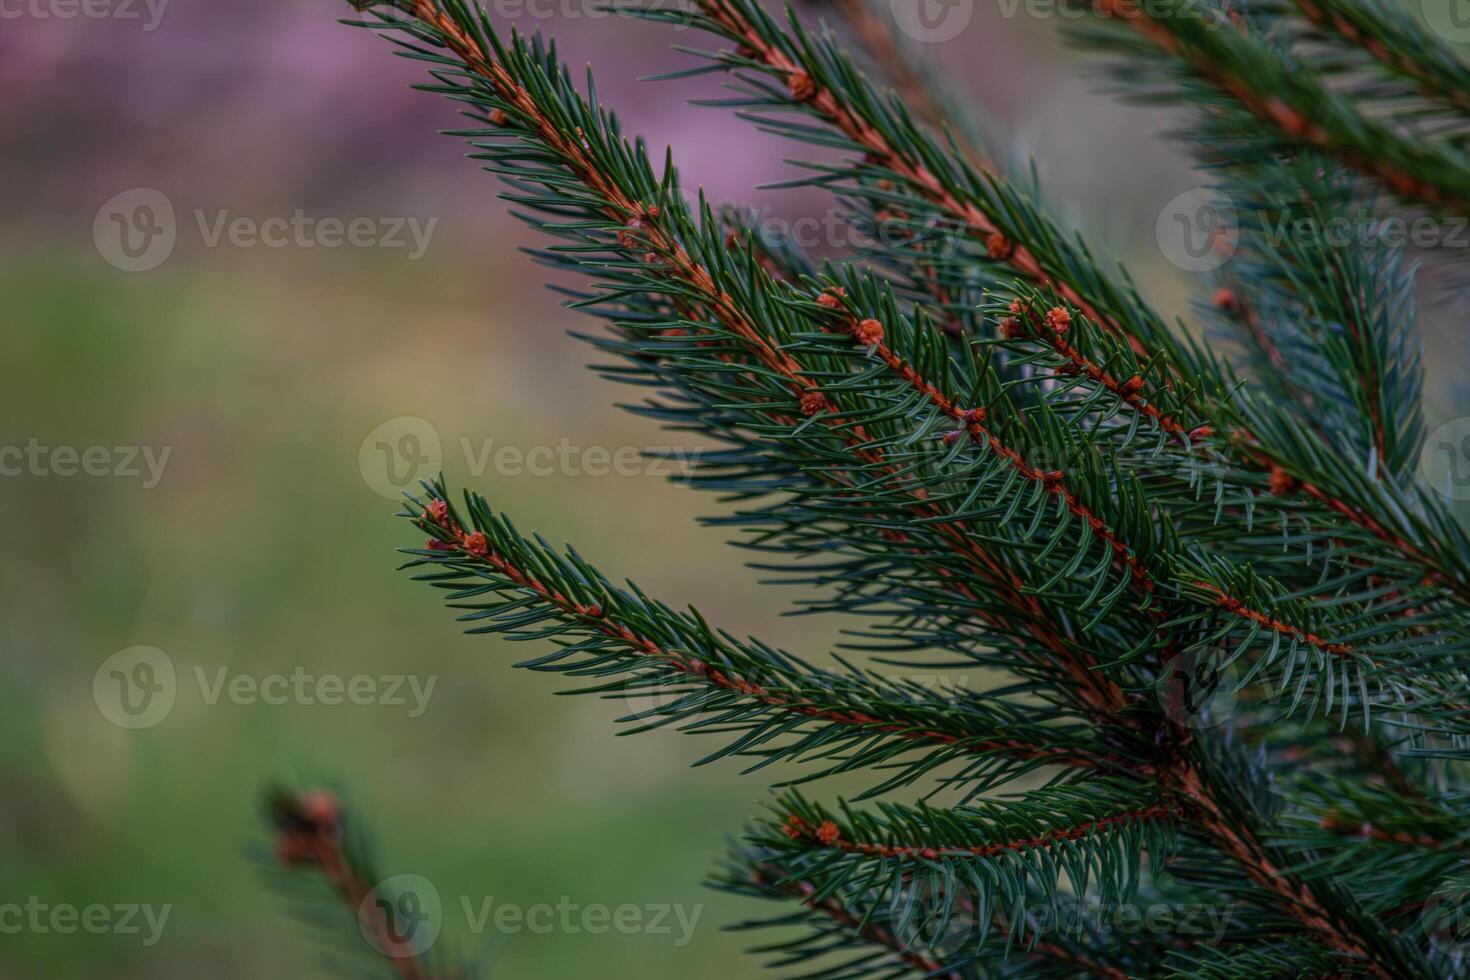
1294,102
308,828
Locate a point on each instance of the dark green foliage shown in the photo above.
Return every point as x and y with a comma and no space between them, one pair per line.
1231,624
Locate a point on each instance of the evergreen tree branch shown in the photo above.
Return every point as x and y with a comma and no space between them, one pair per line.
708,681
1295,101
862,122
647,227
815,79
760,350
869,333
915,86
909,836
833,923
1397,42
768,880
1029,955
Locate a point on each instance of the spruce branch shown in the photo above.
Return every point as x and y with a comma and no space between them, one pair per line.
714,290
791,70
1221,50
831,920
905,465
1397,43
896,154
915,85
705,680
832,928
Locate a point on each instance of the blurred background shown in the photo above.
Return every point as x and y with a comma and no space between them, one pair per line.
204,434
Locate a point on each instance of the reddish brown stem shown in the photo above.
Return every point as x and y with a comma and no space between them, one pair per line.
1235,839
1232,605
1129,390
869,333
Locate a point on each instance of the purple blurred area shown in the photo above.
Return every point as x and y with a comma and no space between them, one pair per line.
228,104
